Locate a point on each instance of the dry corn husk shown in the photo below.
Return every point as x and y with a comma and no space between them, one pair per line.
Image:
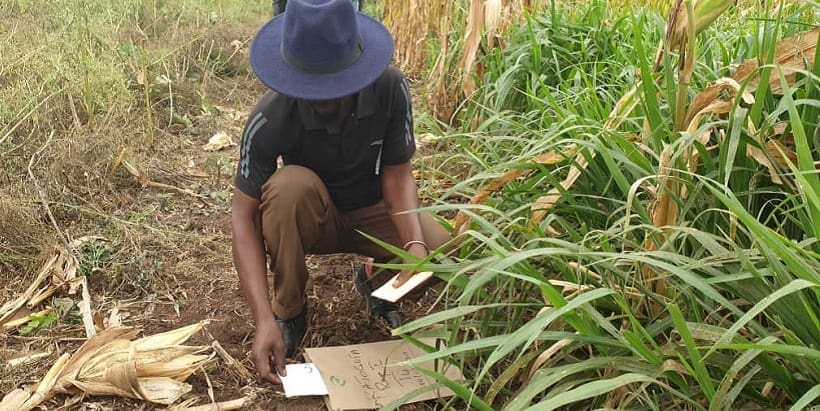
151,368
475,30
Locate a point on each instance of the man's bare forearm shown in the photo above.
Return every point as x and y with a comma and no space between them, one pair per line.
250,261
400,195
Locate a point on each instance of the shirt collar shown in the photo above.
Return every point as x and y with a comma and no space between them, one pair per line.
365,107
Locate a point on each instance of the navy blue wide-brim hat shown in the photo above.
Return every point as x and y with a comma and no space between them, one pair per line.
320,50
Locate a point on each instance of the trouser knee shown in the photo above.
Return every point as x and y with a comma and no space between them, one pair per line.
291,187
296,206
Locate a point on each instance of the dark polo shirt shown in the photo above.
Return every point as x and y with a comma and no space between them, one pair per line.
348,161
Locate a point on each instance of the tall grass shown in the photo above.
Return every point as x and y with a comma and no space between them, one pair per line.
78,63
599,302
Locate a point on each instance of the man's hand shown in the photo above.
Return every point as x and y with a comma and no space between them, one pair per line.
418,250
268,342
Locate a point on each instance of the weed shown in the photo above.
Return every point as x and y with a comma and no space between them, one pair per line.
38,323
94,255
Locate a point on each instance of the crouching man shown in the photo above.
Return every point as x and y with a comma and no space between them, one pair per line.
340,119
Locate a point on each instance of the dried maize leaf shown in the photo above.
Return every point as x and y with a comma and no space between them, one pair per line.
10,309
65,271
162,390
580,269
173,337
44,391
623,108
25,317
178,368
124,376
97,367
102,342
85,309
482,195
545,203
791,54
14,362
716,107
219,141
14,400
780,153
101,388
547,354
724,90
553,157
237,369
766,160
220,406
493,11
665,207
164,354
472,43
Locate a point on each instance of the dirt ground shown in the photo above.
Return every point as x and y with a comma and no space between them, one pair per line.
337,317
166,258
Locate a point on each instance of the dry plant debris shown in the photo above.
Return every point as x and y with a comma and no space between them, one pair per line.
151,368
58,273
145,181
218,141
457,65
548,158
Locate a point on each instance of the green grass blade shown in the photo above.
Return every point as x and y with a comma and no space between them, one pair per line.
529,331
771,239
722,400
466,395
590,390
700,372
803,352
806,400
805,172
793,287
442,316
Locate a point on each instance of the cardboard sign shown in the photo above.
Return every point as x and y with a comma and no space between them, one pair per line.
389,293
367,376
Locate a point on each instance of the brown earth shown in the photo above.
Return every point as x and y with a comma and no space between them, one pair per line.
336,310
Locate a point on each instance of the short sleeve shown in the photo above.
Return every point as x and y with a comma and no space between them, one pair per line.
257,152
399,143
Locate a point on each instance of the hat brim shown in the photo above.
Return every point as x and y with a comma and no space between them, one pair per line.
267,63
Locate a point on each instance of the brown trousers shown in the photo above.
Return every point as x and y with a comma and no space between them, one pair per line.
298,218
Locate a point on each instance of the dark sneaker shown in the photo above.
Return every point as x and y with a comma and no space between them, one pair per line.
376,308
293,331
